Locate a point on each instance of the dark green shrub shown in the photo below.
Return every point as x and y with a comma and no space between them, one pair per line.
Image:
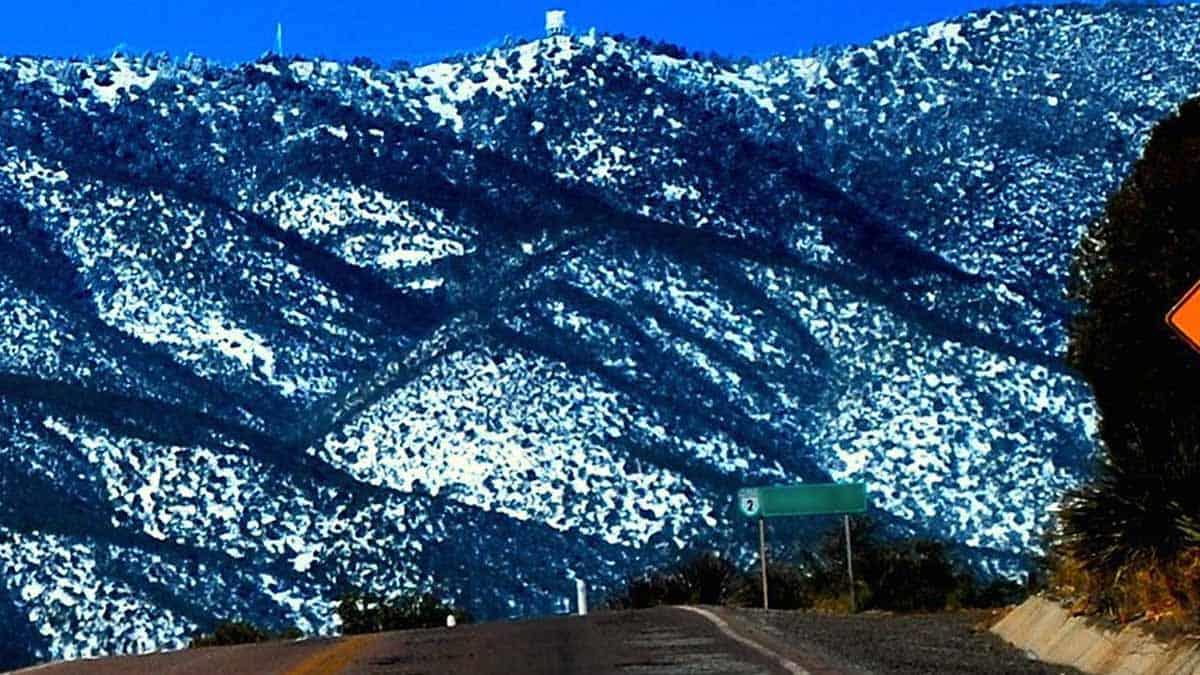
640,592
788,587
895,575
997,592
367,613
706,579
703,579
909,576
238,632
903,575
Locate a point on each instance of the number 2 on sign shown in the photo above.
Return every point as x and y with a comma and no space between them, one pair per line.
748,501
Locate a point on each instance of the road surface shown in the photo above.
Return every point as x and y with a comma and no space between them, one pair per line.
947,643
664,641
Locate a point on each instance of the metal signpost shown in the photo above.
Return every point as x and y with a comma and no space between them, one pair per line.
809,499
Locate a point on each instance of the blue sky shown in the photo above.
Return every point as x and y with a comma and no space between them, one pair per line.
421,30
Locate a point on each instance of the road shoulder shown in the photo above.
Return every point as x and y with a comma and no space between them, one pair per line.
785,650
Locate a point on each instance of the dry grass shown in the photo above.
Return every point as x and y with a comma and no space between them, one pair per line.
1164,593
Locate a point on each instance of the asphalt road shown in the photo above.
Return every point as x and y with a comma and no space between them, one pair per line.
654,642
662,641
267,658
665,641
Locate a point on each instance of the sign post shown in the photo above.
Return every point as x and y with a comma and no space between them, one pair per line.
849,563
808,499
762,555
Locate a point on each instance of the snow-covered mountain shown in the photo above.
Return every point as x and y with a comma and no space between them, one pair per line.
273,331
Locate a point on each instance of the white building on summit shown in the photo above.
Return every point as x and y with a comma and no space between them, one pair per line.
556,22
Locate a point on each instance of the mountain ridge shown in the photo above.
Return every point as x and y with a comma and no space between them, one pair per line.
296,326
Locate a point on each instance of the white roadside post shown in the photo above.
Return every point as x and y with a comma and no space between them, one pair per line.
581,596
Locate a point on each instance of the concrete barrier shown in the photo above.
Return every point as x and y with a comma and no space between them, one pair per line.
1046,630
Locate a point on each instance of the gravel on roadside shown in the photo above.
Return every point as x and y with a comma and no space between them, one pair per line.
905,644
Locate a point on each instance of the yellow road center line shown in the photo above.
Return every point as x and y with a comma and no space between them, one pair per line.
333,660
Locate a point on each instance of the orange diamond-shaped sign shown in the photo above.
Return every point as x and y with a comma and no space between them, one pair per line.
1185,317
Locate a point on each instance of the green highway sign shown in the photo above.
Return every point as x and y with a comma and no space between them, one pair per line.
808,499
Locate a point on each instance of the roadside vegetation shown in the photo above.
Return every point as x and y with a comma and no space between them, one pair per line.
1128,545
238,632
367,613
359,612
895,575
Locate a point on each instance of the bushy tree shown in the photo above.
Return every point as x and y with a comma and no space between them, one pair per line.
1139,515
1133,264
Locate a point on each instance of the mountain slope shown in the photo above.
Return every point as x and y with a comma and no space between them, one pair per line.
276,330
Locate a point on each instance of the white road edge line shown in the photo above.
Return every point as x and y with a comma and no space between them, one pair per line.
787,664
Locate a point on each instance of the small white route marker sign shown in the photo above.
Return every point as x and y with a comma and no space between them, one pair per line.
748,502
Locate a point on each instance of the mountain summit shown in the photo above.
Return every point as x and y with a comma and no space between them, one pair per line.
274,331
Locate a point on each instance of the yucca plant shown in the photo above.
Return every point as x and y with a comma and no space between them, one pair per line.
1135,526
1142,506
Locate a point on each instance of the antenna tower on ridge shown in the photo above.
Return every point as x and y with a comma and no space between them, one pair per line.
556,22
